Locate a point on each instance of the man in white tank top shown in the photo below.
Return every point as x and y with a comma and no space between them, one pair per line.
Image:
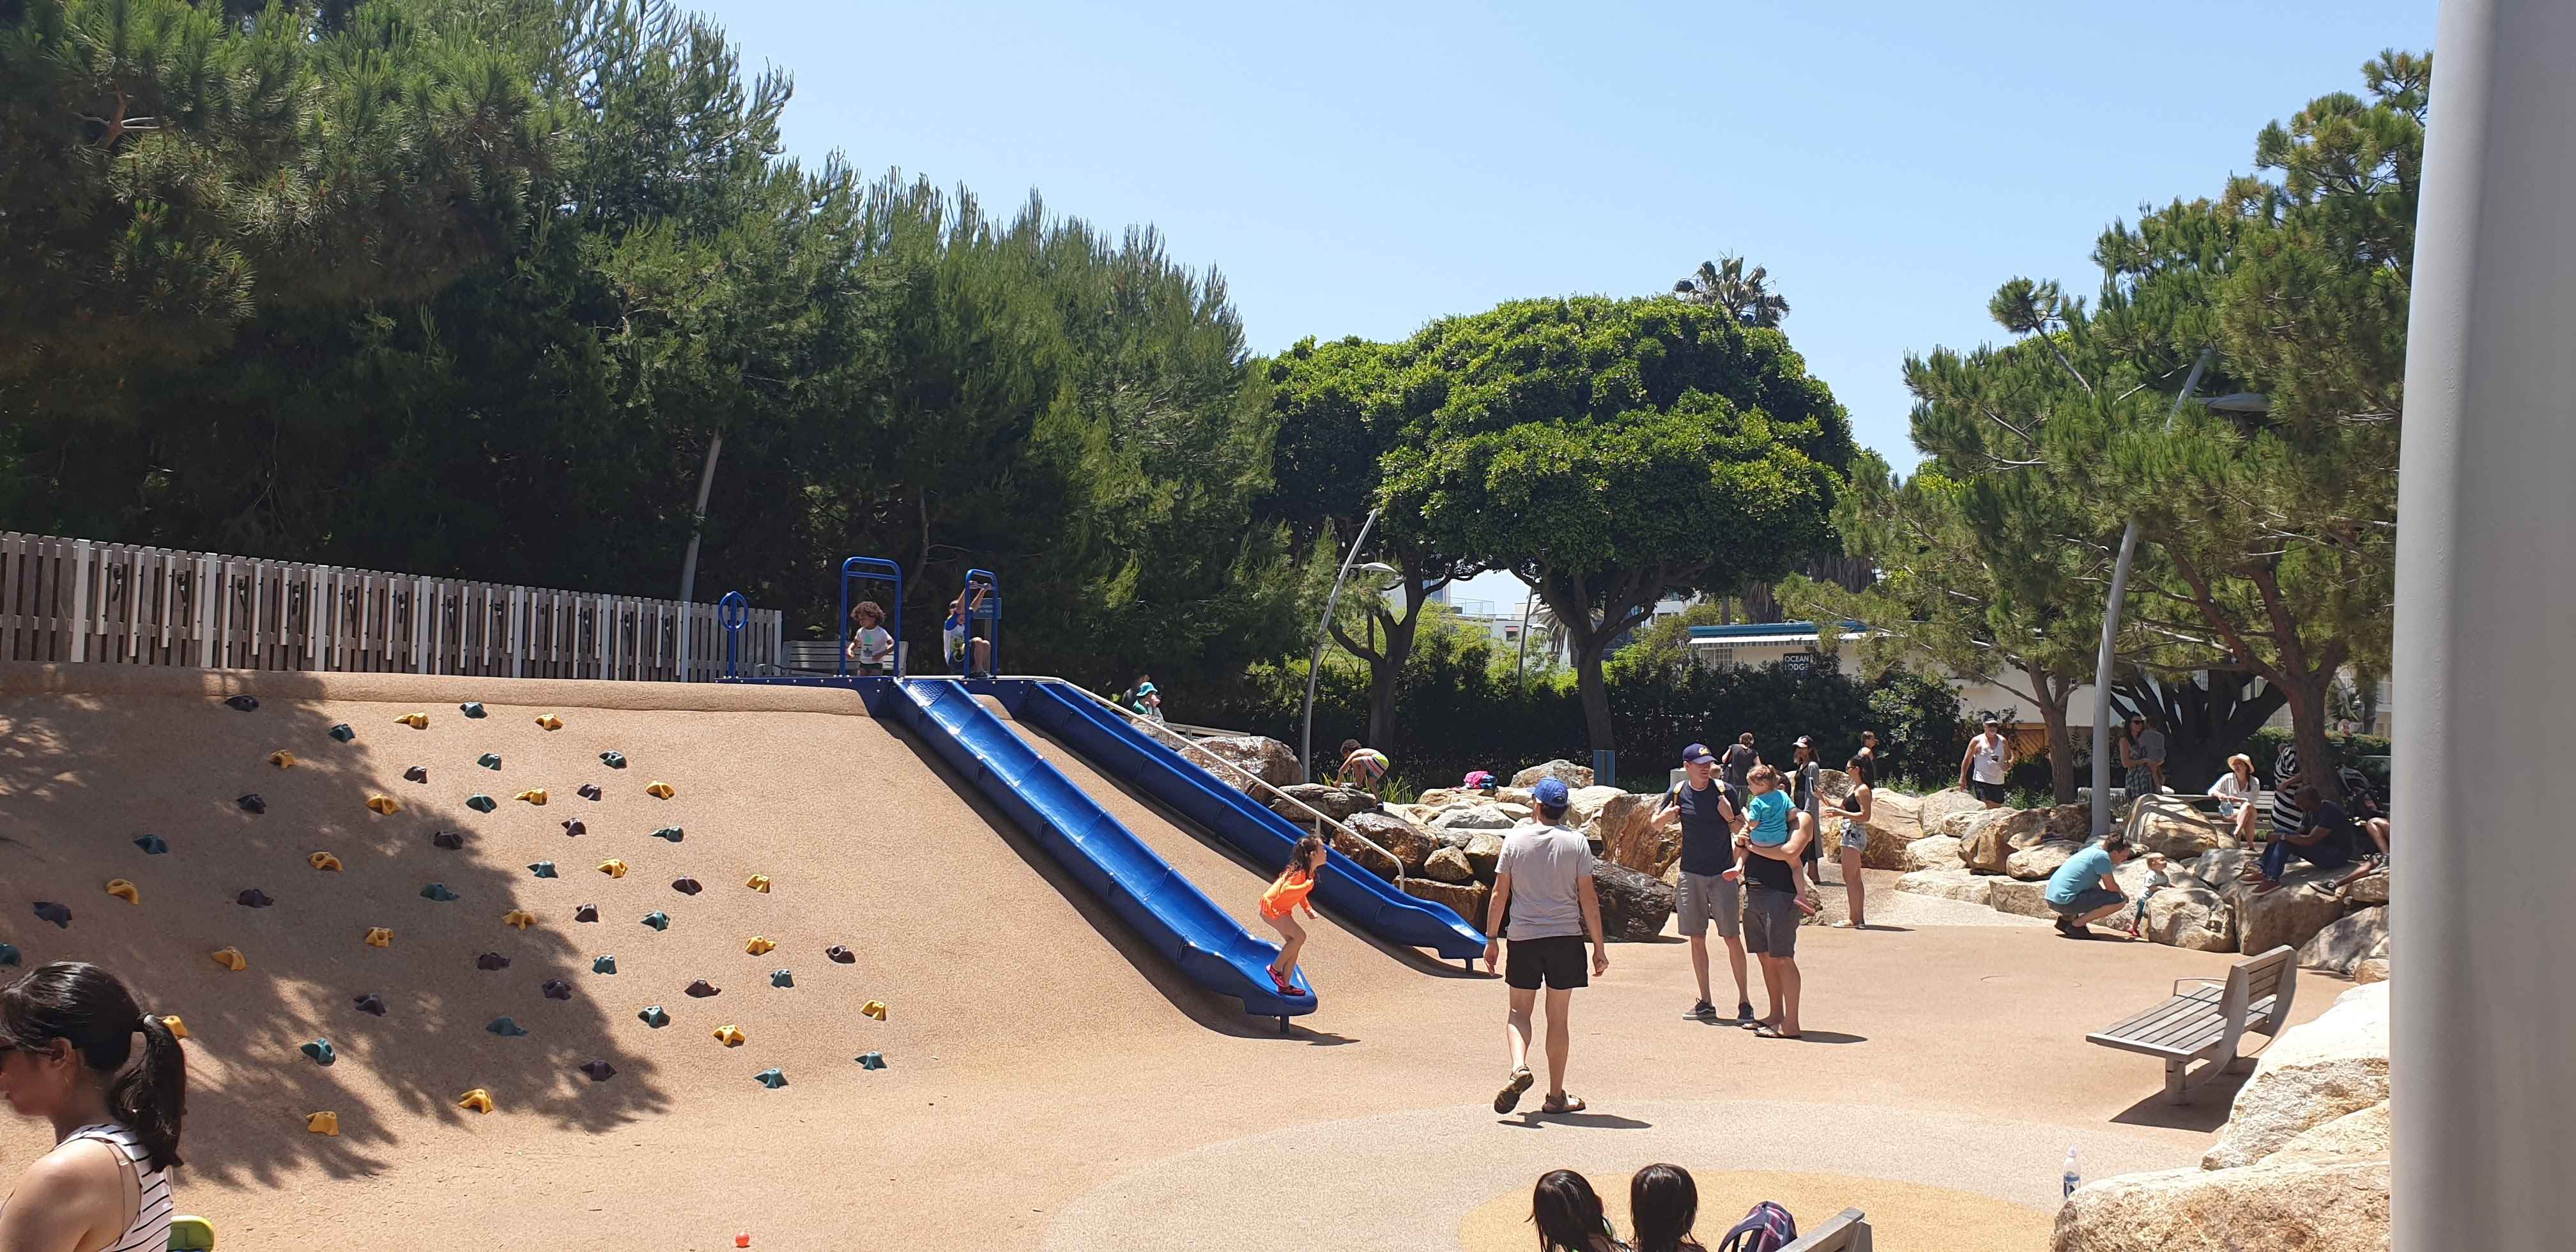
1988,761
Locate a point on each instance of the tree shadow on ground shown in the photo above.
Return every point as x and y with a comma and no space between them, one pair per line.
83,776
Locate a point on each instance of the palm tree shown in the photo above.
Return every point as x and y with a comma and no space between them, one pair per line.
1724,284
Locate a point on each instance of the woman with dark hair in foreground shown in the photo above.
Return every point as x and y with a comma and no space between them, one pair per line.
1663,1204
1568,1215
66,1032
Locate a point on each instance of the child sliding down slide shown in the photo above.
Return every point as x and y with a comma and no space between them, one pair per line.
1280,903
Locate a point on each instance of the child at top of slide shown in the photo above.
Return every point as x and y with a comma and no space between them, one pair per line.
1280,903
871,644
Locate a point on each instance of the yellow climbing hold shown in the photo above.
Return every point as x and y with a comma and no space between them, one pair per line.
550,721
729,1036
124,890
380,936
613,868
759,883
231,959
384,804
417,721
873,1008
533,795
759,946
324,860
520,918
282,759
322,1123
178,1029
478,1100
659,790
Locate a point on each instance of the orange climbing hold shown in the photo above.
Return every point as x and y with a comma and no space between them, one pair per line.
759,946
478,1100
178,1029
324,861
613,868
380,936
759,883
124,890
384,804
231,959
659,790
322,1123
533,795
520,918
417,721
550,721
873,1008
729,1036
282,759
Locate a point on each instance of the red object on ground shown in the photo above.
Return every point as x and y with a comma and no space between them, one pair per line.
742,1241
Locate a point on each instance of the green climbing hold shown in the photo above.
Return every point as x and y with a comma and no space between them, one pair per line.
507,1027
603,965
471,708
781,978
658,920
872,1060
542,869
438,891
8,954
489,760
342,732
481,803
654,1017
320,1051
771,1078
671,833
152,845
613,760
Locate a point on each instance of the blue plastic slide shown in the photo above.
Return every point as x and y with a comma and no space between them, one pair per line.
1123,752
1177,918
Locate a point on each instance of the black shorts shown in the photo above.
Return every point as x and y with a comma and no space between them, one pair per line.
1557,961
1991,793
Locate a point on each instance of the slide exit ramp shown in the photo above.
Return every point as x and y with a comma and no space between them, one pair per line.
1123,752
1176,917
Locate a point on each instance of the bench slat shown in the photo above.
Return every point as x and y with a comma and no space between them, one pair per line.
2187,1039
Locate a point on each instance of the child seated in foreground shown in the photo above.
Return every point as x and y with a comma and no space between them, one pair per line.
1280,903
1767,815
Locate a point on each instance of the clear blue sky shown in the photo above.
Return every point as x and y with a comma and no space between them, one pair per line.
1358,169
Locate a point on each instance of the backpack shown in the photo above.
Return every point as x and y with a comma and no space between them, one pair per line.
1766,1228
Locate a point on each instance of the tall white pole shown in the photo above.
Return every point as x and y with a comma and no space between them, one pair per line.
698,519
2111,633
2486,604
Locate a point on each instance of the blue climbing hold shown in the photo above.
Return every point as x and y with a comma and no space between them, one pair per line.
8,954
872,1060
320,1051
654,1017
471,708
781,978
342,732
481,803
658,920
59,914
671,833
771,1078
152,845
603,965
438,891
489,760
613,760
542,869
243,703
506,1026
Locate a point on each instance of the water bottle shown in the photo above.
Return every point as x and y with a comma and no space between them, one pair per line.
2074,1175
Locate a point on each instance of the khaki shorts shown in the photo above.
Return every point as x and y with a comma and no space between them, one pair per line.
1770,923
1705,898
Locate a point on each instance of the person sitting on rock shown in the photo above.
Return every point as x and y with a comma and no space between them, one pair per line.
2083,892
2324,840
2236,790
1362,766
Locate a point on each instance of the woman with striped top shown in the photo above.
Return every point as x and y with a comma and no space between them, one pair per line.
66,1032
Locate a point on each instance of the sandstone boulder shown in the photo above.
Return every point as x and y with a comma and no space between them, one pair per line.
2364,1132
1881,848
2028,899
1337,803
1564,771
1895,814
2288,917
1634,906
1483,851
1448,865
2174,826
2219,868
1953,883
1371,857
1269,760
1411,844
2369,889
1584,803
1474,817
2191,916
2332,1205
2036,863
1932,852
1831,786
1467,900
1442,797
1636,843
1992,837
2346,941
1941,804
2312,1074
2071,821
2370,970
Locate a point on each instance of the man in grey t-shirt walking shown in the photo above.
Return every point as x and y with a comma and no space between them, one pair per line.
1543,888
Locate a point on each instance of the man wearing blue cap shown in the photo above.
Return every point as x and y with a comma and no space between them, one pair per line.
1543,892
1704,808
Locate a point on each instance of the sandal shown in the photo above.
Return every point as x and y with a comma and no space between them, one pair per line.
1570,1104
1510,1096
1767,1031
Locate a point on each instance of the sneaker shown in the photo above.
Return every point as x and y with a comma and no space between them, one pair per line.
1744,1014
1702,1011
2065,926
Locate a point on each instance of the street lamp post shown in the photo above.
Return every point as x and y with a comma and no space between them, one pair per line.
1323,631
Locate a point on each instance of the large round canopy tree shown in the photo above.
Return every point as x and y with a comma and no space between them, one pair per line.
1613,452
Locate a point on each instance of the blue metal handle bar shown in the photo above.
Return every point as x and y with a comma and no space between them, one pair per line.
991,611
864,567
731,612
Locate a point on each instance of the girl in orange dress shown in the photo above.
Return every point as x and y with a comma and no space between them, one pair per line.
1280,903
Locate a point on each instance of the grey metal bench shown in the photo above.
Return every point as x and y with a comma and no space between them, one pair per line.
1846,1231
2205,1023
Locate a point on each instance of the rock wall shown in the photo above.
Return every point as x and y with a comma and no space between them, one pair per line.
1268,759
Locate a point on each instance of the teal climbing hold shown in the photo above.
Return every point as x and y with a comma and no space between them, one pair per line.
489,760
781,978
320,1051
671,833
542,869
771,1078
872,1060
438,891
152,845
658,920
481,803
613,760
8,954
603,965
654,1017
342,732
507,1027
471,708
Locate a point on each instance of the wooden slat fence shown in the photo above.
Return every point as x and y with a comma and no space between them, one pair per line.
78,600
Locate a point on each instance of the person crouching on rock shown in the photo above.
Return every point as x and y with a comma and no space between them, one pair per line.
1280,903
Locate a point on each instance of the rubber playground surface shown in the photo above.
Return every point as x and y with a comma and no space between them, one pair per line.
1049,1081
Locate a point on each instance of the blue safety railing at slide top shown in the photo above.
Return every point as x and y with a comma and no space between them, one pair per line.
988,609
858,567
